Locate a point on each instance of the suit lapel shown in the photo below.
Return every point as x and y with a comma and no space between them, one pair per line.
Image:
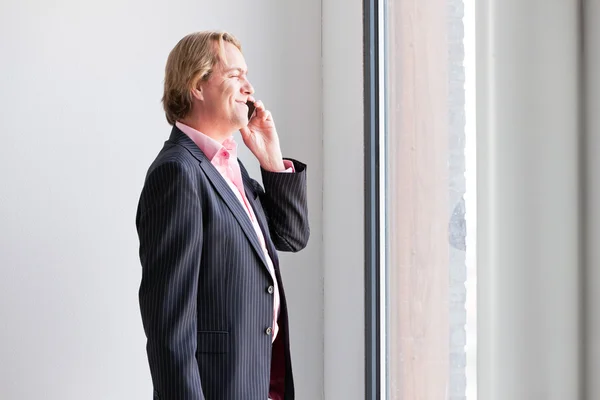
222,188
260,215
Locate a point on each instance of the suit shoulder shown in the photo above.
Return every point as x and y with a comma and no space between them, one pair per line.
170,176
174,156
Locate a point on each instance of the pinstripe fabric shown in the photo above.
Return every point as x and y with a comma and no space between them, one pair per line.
204,295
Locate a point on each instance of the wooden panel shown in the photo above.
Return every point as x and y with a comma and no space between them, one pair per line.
418,200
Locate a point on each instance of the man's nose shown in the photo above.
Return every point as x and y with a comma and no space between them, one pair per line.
248,88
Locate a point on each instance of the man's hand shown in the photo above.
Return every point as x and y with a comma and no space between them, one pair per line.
260,136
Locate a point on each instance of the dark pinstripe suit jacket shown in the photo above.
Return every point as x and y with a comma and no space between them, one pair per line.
205,297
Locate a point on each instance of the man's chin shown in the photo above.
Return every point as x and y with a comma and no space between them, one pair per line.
241,123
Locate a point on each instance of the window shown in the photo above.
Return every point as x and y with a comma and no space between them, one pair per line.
421,278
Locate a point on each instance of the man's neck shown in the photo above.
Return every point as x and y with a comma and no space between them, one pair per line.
212,131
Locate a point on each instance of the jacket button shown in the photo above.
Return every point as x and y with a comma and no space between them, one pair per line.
270,289
269,331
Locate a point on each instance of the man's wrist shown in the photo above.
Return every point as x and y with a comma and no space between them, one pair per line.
273,163
273,166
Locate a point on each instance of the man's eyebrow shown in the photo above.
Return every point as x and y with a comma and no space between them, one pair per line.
241,70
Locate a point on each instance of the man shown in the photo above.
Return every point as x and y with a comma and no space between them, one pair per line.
211,296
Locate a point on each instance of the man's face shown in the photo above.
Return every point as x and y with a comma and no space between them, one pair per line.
225,93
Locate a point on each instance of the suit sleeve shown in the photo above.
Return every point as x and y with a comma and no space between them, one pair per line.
169,224
284,202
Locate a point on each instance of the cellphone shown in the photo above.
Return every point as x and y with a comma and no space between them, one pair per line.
251,108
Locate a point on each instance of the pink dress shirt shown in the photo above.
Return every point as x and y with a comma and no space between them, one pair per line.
224,157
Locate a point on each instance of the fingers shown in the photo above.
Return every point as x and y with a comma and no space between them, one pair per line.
260,107
261,112
245,131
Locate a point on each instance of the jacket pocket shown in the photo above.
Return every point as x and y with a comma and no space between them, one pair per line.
212,342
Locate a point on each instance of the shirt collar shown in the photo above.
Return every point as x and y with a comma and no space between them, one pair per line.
209,146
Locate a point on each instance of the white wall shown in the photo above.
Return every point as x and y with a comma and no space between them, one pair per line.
81,121
343,200
528,234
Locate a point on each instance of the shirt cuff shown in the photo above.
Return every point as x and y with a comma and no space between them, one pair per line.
289,166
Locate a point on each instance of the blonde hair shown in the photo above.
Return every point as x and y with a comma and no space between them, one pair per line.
190,61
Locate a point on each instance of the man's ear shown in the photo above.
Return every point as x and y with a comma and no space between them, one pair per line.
197,92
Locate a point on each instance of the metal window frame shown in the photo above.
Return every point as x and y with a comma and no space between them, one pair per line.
372,200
